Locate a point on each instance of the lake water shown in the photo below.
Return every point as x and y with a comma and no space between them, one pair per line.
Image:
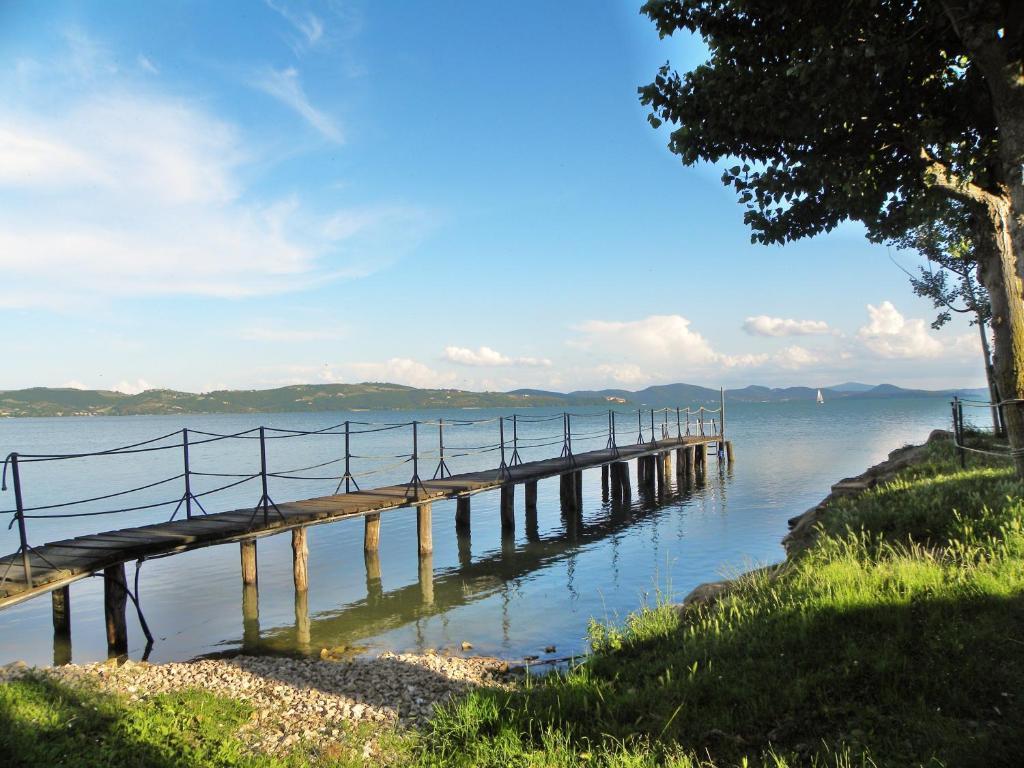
510,596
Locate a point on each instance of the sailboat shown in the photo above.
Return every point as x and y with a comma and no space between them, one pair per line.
821,400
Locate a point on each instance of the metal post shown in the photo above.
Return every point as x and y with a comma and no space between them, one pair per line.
20,512
347,479
679,426
568,433
722,417
502,467
415,484
516,458
654,437
640,426
263,475
960,418
700,415
188,487
664,427
687,421
442,465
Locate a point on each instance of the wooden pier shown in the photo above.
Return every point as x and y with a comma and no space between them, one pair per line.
51,567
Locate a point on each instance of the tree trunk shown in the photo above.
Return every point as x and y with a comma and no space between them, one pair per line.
999,272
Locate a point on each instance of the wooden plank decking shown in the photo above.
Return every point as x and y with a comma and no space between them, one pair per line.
58,563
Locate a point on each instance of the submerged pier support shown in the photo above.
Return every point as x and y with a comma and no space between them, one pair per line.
463,505
508,510
371,532
424,530
728,451
115,597
61,605
247,549
300,559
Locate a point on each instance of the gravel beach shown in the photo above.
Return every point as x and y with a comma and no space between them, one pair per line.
296,699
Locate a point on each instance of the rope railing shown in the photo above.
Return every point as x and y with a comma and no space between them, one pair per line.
961,429
508,445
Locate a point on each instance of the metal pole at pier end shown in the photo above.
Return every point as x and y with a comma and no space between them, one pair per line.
188,487
442,466
654,437
416,484
721,420
516,458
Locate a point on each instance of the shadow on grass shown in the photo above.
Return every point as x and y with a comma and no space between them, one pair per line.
923,682
43,723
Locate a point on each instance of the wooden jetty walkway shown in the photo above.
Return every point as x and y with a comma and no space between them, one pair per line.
52,567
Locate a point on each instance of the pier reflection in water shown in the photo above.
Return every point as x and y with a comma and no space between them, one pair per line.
496,574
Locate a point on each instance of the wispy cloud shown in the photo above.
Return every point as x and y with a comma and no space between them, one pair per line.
306,23
284,85
147,65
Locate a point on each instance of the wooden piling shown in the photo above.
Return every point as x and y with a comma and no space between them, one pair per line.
465,547
61,603
567,491
578,480
300,559
115,597
250,575
604,482
426,575
530,496
508,512
680,462
250,616
728,451
659,470
625,491
462,512
424,531
302,624
691,464
371,532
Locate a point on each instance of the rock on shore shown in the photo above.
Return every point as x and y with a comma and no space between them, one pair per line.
296,699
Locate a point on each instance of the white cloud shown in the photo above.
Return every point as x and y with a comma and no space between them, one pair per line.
796,357
402,370
485,356
626,374
763,325
890,335
286,88
132,388
657,338
309,25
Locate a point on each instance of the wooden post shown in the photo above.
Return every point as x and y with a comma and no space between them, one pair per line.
115,597
250,616
604,482
578,479
426,573
465,546
567,491
627,491
61,603
61,600
680,462
462,511
728,451
702,459
302,618
300,559
508,511
250,574
659,470
371,532
691,464
530,496
667,459
424,532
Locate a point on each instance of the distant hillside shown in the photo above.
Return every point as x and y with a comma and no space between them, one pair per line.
43,401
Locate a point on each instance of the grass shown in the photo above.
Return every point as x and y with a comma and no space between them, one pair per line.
896,640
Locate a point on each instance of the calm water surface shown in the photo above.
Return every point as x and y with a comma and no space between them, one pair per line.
510,596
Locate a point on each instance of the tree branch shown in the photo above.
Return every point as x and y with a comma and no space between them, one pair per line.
951,183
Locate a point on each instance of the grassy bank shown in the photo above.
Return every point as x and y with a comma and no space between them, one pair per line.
898,639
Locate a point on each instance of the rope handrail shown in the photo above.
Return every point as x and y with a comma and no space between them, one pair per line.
95,498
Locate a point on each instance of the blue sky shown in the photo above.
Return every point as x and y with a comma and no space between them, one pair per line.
201,195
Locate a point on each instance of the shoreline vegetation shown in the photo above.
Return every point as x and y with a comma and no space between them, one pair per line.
892,635
373,396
